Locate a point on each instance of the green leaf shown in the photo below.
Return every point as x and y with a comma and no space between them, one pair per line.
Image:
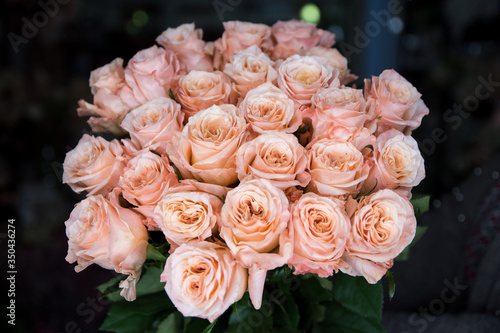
171,324
312,287
286,313
111,289
150,281
303,129
391,283
358,296
193,324
154,254
137,316
340,319
251,320
210,327
171,95
177,171
420,204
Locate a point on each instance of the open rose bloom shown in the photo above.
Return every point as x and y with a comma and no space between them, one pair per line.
241,156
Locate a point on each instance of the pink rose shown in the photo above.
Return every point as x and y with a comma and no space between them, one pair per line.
94,165
101,232
338,106
336,60
108,109
267,108
294,35
145,180
398,163
394,102
275,156
203,280
189,212
149,75
300,77
255,227
337,167
320,229
188,45
206,148
238,36
250,68
153,124
200,90
383,224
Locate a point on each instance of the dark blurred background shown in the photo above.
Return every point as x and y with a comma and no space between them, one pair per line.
449,50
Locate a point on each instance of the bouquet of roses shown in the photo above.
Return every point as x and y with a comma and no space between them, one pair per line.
242,164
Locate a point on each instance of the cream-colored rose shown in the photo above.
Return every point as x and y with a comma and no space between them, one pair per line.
294,35
188,214
300,77
383,224
203,280
267,108
145,180
206,148
320,229
394,102
250,68
101,232
338,106
337,167
153,124
149,75
199,90
398,163
108,109
238,36
188,45
94,165
254,224
335,59
275,156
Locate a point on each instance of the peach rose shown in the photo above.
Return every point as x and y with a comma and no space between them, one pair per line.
108,109
94,165
338,106
149,75
200,90
203,280
383,224
320,229
294,35
101,232
250,68
153,124
205,149
145,180
275,156
394,102
189,212
267,108
335,59
300,77
254,224
187,43
398,163
238,36
337,167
